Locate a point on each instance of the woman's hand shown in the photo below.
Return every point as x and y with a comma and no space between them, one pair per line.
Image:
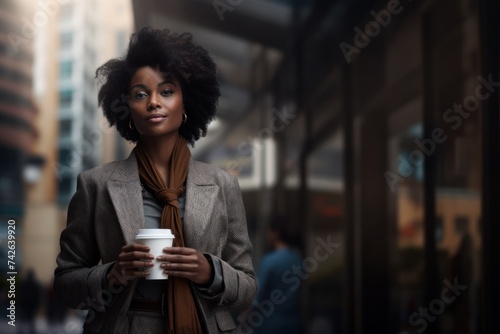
132,262
187,263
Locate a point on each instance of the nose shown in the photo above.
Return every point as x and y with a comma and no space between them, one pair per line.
154,102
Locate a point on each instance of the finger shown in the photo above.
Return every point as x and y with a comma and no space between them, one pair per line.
124,256
193,273
178,258
179,250
182,274
127,265
136,273
135,247
180,267
129,273
179,254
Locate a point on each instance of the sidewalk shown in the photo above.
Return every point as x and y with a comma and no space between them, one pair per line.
72,325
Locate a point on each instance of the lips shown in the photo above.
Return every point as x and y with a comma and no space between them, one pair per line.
156,117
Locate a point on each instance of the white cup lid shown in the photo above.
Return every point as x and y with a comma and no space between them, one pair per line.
153,233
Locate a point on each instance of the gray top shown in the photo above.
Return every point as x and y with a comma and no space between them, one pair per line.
153,289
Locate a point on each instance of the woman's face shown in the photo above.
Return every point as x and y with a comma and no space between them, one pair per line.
155,102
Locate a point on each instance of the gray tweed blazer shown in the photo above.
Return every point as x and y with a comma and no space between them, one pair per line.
106,213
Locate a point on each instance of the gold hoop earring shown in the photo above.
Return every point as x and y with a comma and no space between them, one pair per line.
185,118
130,125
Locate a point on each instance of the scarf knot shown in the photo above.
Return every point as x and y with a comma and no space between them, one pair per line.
170,196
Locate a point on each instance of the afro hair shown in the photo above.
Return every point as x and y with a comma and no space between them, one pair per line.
173,54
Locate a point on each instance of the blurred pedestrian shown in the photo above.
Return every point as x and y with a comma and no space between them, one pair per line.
162,95
278,298
56,311
29,302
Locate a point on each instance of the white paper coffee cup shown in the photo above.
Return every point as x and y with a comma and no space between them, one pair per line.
156,239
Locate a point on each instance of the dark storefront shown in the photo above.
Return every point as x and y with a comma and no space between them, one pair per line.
388,158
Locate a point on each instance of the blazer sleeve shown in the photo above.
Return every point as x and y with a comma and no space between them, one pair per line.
79,276
240,286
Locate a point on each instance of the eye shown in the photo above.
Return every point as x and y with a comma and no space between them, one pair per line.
166,92
139,95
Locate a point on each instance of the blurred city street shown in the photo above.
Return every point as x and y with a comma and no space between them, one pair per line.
370,128
71,325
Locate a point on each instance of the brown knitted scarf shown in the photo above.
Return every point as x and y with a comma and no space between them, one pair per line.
182,315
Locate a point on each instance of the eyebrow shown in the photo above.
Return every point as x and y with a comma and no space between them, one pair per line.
164,82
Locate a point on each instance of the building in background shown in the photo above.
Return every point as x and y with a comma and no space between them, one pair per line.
37,240
17,109
77,60
77,37
115,23
18,114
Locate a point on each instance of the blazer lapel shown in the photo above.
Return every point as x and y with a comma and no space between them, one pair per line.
125,192
124,189
201,194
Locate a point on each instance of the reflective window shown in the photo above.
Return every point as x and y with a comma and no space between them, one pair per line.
66,40
65,98
65,127
66,70
325,237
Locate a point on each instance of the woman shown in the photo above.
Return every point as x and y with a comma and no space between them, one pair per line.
172,92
